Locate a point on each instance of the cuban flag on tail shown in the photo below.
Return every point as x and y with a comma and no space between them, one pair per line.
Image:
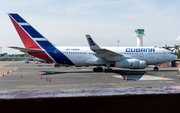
35,43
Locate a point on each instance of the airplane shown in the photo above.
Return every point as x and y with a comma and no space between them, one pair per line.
94,55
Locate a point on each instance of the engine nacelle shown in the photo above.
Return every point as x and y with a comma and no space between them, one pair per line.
131,63
142,64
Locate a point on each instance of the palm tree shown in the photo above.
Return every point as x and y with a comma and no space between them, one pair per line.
167,47
176,48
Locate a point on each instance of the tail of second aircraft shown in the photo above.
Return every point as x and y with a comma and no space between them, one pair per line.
36,44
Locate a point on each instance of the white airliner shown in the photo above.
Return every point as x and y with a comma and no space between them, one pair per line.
124,57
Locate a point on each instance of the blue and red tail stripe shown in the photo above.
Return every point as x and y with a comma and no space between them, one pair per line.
91,42
33,39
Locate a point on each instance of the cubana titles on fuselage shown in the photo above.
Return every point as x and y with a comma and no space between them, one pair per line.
140,49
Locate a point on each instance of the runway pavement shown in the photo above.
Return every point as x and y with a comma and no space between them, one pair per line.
80,77
79,89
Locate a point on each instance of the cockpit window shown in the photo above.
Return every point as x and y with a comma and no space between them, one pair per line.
172,53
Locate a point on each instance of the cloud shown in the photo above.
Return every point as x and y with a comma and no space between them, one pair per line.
178,38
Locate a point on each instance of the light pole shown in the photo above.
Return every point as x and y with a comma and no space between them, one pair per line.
118,42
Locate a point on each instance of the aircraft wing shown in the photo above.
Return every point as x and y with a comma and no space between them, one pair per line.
26,50
100,52
105,52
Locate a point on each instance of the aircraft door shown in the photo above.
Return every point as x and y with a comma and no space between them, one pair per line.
164,54
141,55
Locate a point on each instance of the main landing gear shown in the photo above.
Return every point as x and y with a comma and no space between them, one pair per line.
100,69
56,65
108,70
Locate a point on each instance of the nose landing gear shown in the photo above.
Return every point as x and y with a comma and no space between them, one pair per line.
156,68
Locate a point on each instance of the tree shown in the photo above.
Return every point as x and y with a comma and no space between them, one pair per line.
1,55
20,55
176,49
167,47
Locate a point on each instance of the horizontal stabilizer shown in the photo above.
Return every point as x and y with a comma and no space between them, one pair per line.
26,50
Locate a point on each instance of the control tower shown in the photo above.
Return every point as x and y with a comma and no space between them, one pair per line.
139,34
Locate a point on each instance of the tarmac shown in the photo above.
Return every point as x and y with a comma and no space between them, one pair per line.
79,89
81,77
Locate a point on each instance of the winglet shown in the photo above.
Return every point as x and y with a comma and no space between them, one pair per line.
93,46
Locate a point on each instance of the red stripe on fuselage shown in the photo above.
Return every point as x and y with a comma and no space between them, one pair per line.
41,55
29,43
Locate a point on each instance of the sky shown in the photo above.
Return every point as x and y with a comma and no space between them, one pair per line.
66,22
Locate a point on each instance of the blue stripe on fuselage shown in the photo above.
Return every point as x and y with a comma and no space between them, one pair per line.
58,56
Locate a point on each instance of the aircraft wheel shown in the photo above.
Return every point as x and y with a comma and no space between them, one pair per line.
156,69
100,69
95,69
106,70
56,65
110,70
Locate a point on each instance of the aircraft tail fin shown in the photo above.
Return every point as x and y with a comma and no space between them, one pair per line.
37,45
29,36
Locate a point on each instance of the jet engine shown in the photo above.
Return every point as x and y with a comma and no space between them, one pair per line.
131,63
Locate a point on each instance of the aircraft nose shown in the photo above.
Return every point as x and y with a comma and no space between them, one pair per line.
175,56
